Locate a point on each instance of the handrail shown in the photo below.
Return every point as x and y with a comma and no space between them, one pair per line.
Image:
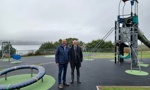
40,75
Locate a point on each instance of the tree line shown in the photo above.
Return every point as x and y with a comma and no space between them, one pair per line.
49,47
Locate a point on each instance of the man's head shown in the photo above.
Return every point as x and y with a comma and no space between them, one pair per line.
75,42
64,42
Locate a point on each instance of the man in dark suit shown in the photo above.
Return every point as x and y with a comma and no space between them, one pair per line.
62,60
76,57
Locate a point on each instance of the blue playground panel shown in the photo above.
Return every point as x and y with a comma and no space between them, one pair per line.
16,57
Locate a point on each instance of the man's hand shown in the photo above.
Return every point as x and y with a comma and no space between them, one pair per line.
57,64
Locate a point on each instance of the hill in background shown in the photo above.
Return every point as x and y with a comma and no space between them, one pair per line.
22,42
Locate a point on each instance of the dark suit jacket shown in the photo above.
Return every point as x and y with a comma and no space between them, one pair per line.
79,54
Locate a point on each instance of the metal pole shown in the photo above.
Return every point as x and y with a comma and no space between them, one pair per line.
42,79
115,40
131,36
31,72
119,42
135,8
131,66
2,50
141,51
131,39
9,50
6,76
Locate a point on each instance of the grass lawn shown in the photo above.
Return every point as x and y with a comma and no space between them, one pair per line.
123,88
145,54
99,55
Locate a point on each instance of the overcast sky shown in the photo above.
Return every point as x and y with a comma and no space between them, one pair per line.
50,20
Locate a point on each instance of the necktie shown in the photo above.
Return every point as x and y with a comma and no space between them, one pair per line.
75,48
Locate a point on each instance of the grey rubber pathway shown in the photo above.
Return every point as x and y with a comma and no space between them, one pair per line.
93,73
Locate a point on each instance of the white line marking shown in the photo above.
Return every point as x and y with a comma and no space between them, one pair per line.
97,87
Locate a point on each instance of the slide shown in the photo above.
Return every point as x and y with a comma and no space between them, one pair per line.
143,39
125,57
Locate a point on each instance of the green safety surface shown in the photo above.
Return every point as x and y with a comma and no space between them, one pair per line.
140,62
143,65
48,82
16,62
6,59
112,60
137,72
123,88
88,59
50,56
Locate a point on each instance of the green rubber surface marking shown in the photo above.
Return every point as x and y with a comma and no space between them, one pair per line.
8,87
123,87
49,56
140,62
48,82
88,59
113,60
5,59
137,72
143,65
15,62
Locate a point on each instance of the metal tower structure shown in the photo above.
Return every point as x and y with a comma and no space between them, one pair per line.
126,31
4,51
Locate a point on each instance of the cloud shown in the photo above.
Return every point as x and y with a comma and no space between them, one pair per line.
45,20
